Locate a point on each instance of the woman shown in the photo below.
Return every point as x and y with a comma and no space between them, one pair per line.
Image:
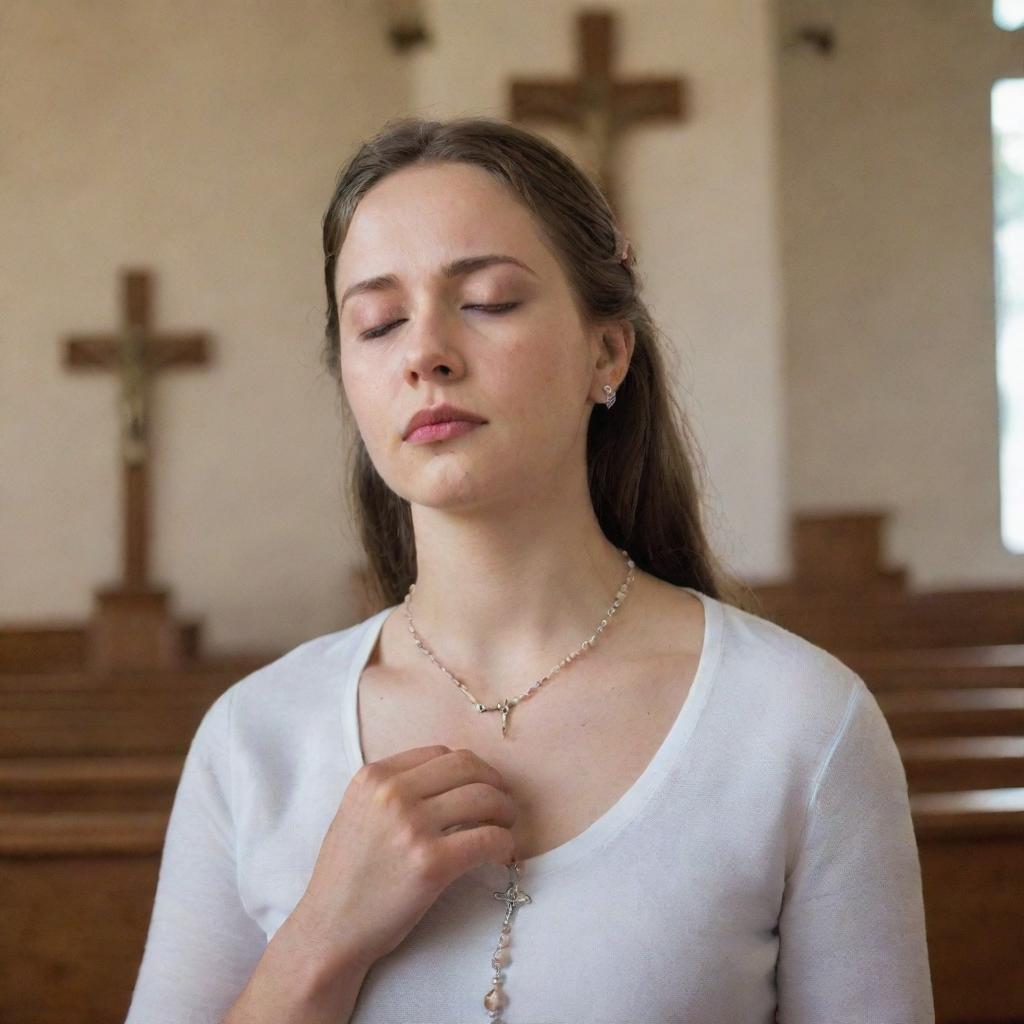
674,811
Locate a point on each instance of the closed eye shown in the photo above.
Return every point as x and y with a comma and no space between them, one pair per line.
504,307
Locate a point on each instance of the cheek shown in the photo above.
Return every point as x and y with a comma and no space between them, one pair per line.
370,406
545,377
537,358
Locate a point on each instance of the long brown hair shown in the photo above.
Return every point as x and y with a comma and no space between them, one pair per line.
642,457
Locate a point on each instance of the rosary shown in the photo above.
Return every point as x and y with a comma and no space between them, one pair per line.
513,897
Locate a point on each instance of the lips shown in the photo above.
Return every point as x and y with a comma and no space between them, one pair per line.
442,413
440,431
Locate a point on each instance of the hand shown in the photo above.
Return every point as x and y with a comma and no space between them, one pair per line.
407,827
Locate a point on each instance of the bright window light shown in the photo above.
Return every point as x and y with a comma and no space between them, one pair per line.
1008,203
1008,14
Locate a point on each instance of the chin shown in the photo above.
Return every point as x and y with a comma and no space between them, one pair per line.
447,484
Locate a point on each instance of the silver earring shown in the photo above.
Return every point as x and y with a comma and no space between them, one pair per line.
610,393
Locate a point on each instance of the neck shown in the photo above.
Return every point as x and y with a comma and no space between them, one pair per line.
512,602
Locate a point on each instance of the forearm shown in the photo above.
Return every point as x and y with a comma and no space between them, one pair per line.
298,980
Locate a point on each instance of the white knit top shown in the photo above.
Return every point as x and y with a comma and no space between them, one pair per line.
764,859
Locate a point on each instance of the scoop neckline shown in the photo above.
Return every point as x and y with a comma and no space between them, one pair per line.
630,803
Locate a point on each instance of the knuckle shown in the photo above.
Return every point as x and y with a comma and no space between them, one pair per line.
386,792
410,839
424,862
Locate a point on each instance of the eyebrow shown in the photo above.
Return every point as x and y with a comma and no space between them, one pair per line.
458,268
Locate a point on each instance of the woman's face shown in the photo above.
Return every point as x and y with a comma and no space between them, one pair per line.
531,371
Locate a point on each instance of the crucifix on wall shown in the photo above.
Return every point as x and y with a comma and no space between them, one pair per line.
599,106
133,627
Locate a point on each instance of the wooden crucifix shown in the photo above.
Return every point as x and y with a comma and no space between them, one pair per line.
597,105
133,627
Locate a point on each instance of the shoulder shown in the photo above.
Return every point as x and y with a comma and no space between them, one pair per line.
795,686
304,681
800,715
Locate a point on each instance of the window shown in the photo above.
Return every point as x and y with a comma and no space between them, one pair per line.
1008,14
1008,205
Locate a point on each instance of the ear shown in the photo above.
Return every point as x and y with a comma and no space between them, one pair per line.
614,344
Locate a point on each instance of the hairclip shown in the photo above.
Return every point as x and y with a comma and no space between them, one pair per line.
623,247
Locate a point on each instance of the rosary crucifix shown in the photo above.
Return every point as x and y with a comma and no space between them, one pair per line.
513,897
505,708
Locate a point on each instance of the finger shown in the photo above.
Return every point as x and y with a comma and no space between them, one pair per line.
403,760
457,768
484,844
476,803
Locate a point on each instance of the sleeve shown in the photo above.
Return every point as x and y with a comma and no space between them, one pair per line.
852,943
202,946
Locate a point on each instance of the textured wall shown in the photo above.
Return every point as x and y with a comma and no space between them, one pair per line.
886,206
698,199
203,140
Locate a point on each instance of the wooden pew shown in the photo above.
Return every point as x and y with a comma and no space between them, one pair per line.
952,763
860,619
75,713
971,846
844,596
115,784
88,770
956,714
991,666
29,732
974,711
77,890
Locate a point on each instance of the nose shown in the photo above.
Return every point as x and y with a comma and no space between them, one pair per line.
430,348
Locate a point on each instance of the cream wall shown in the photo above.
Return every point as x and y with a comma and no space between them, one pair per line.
698,201
203,139
886,206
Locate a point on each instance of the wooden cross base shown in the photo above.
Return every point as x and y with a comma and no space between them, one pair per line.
131,629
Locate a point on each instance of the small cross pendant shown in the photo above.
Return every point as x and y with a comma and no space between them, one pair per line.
504,707
513,897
